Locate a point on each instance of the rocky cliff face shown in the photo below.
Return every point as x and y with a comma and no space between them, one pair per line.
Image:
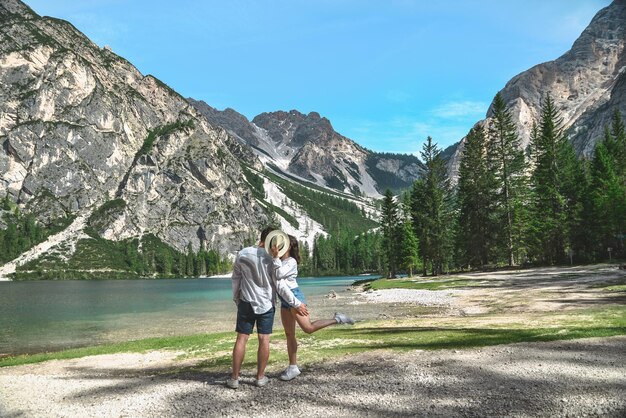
81,126
308,146
587,83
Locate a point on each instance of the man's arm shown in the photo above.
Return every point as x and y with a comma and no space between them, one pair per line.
236,280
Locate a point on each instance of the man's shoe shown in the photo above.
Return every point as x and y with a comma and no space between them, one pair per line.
262,381
343,319
290,373
232,383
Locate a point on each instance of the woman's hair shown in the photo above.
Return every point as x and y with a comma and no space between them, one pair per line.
294,249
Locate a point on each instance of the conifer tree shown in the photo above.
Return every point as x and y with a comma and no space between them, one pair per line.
191,257
182,264
475,198
409,250
431,210
507,165
556,205
609,191
390,225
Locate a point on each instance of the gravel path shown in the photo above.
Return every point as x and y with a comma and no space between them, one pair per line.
571,378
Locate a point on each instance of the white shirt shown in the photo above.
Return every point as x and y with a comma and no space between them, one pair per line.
288,272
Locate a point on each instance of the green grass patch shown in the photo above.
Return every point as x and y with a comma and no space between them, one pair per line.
190,342
162,131
615,288
332,212
420,284
398,335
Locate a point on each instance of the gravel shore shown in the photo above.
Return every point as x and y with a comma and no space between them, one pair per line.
571,378
420,297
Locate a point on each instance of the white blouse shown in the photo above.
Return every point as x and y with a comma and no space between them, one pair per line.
288,272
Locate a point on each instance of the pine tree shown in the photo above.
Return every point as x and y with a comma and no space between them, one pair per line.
431,210
475,197
556,203
390,223
191,261
409,250
609,192
507,164
181,265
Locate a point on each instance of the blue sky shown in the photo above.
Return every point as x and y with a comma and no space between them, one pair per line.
386,73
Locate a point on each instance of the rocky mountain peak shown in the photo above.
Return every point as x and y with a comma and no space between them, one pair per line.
15,8
586,84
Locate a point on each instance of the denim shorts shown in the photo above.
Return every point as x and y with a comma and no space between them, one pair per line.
297,293
246,319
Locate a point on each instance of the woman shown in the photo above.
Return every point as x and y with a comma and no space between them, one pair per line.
289,315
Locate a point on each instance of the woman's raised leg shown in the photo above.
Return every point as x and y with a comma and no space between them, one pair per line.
310,327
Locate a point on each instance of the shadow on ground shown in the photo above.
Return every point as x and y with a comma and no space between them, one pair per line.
583,377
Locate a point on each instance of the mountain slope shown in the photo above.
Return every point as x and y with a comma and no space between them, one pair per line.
307,146
586,83
81,126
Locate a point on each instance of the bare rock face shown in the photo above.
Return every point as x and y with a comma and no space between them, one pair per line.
309,147
586,83
73,119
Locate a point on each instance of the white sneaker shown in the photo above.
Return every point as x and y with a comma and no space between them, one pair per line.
232,383
343,318
262,381
290,373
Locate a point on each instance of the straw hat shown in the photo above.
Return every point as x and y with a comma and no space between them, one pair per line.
278,239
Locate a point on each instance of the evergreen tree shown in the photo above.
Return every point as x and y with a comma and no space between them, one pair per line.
556,203
507,165
191,261
431,210
390,225
181,266
409,250
475,198
608,193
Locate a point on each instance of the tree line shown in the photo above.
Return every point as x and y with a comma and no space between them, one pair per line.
538,206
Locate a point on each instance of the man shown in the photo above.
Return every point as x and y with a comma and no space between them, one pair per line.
254,292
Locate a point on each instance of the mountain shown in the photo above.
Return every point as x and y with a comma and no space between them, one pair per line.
86,136
308,147
587,84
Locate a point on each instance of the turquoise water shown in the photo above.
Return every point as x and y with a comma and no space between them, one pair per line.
38,316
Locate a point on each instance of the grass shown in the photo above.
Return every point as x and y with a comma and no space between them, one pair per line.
615,288
190,342
420,284
397,335
332,212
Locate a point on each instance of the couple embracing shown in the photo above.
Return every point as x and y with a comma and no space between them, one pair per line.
258,274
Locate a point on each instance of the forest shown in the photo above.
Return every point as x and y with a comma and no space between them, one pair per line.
540,206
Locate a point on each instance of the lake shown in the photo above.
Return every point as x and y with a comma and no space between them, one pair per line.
37,316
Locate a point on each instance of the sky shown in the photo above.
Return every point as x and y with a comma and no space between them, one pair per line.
386,73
